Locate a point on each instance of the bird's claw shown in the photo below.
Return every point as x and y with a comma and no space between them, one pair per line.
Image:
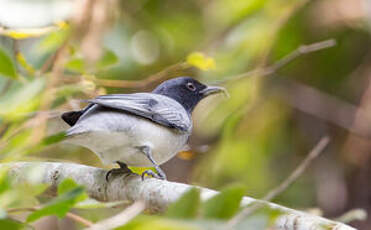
151,173
122,170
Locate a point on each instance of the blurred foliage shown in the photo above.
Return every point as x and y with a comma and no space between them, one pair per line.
254,138
186,213
187,206
69,193
7,68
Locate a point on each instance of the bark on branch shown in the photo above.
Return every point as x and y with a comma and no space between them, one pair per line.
156,194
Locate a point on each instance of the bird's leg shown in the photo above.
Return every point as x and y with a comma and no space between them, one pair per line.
160,174
122,170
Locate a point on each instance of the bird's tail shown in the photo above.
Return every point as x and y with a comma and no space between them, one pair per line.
72,117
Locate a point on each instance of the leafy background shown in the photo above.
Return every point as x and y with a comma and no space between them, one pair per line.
53,53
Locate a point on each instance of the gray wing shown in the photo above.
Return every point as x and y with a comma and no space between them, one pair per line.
158,108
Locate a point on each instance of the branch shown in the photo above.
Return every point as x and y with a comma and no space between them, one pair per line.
313,154
301,50
157,194
352,215
70,215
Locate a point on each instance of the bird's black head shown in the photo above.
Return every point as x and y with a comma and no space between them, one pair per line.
186,90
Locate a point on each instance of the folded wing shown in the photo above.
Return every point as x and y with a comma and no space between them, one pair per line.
158,108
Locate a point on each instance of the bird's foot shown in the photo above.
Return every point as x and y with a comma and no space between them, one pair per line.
149,172
160,174
122,170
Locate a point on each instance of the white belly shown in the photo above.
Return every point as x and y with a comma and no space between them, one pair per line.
123,142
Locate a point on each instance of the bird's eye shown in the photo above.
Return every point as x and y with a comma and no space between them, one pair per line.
191,86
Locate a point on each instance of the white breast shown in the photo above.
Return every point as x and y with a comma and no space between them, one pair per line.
116,136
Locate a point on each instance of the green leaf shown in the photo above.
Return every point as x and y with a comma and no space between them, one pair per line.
52,139
10,224
4,182
201,61
108,59
93,204
76,65
186,206
7,68
21,99
225,204
54,40
69,194
59,206
67,185
28,32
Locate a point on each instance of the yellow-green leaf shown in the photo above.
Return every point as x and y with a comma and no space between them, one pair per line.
54,39
76,65
12,224
201,61
225,204
108,59
21,99
24,33
93,204
7,68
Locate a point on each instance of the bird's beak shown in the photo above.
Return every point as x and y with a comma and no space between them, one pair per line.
213,90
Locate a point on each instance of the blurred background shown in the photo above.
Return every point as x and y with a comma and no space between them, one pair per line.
54,53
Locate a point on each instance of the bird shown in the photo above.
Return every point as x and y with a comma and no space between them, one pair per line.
139,129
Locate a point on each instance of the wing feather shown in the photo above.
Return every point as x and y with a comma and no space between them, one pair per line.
158,108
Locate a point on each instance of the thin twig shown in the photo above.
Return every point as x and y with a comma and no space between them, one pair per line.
121,218
15,47
184,67
48,63
181,68
171,71
352,215
79,219
314,153
301,50
70,215
275,28
53,58
278,25
30,209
